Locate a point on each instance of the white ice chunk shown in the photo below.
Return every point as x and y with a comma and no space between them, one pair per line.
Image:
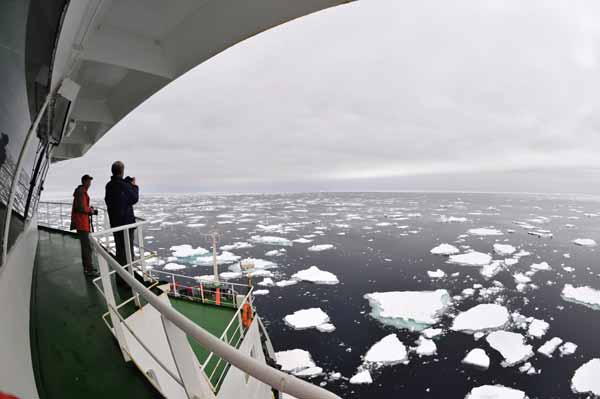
306,318
186,251
224,258
271,240
236,245
445,249
482,317
439,273
478,358
489,271
495,392
319,248
585,242
315,275
587,378
362,377
173,266
484,232
285,283
415,310
425,347
586,296
567,349
276,252
230,275
511,346
541,266
386,352
302,240
550,346
473,258
261,292
326,327
538,328
295,361
432,332
504,249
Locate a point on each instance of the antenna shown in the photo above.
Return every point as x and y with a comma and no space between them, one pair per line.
214,237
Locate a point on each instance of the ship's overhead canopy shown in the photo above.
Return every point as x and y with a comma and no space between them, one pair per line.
120,52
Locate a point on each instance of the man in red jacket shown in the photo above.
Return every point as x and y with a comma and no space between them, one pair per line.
80,221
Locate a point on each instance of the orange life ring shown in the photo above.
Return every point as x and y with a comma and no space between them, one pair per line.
247,315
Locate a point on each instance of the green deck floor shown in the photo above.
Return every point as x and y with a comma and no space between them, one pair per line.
74,354
214,319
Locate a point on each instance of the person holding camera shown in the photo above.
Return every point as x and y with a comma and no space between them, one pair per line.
81,213
121,195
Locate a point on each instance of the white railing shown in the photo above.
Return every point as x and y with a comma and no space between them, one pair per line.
176,325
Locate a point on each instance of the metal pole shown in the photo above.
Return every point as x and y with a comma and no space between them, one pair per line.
62,224
15,177
129,258
215,264
140,235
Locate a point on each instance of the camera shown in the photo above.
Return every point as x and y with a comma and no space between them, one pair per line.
128,179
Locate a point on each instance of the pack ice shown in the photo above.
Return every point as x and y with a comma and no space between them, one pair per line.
511,346
386,352
586,296
315,275
306,318
414,310
482,317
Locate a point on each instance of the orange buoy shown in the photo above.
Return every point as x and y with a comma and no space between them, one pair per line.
247,315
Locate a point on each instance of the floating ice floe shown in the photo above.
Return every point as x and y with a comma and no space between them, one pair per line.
276,252
587,378
386,352
489,271
224,258
432,332
302,240
306,318
483,231
236,245
425,347
586,296
538,328
439,273
327,327
511,346
482,317
527,368
478,358
414,310
585,242
285,283
361,377
445,249
230,275
186,251
540,266
452,219
550,346
252,265
471,259
315,275
567,349
521,278
319,248
271,240
298,362
261,292
266,282
495,392
504,249
173,266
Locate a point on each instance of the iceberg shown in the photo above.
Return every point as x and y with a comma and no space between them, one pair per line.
478,358
306,318
550,346
319,248
482,317
298,362
586,378
511,346
413,310
271,240
504,249
586,296
387,352
361,377
585,242
484,232
495,392
445,249
314,275
471,259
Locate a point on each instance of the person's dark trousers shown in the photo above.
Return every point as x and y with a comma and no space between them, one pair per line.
120,255
86,251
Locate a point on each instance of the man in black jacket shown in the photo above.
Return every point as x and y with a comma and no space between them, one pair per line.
121,195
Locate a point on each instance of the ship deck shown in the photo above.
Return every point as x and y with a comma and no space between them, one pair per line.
73,352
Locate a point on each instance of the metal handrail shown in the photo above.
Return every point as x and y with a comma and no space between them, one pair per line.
281,381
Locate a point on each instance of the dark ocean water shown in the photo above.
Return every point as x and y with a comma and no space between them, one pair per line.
396,257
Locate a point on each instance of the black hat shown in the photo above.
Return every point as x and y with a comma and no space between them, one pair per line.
86,177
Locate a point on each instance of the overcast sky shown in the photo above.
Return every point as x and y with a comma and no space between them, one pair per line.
477,95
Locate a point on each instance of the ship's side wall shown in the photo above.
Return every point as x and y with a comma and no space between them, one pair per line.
16,371
238,384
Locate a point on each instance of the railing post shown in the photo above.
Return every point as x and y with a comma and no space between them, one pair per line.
106,224
62,224
195,386
129,258
140,234
48,214
110,299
